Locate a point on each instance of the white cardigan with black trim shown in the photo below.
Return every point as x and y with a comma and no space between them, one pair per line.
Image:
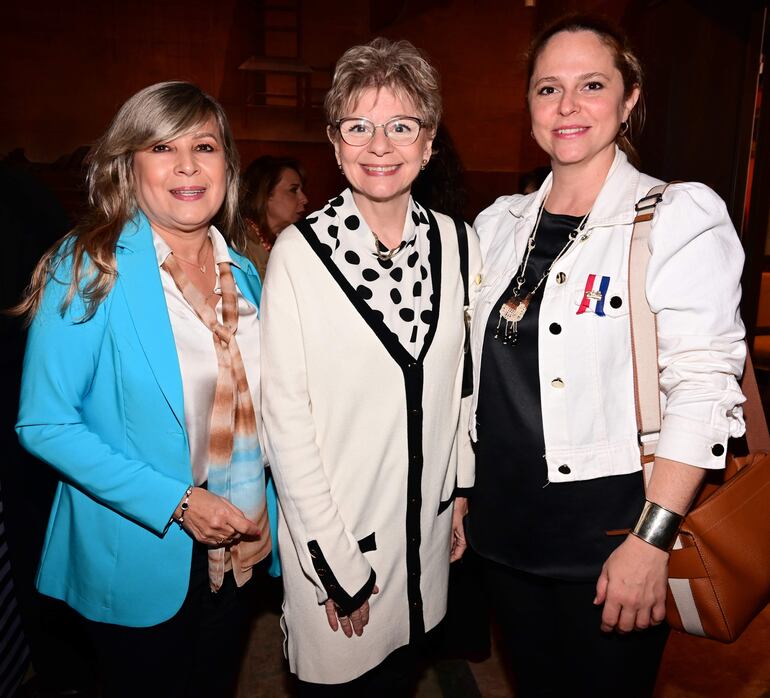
367,448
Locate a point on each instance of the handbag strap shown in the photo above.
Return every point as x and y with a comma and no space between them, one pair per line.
644,332
462,250
644,347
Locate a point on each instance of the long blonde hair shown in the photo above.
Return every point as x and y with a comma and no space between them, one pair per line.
158,113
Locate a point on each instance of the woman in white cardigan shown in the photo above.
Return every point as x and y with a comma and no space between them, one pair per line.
362,358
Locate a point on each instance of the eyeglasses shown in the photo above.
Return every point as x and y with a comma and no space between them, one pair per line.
401,130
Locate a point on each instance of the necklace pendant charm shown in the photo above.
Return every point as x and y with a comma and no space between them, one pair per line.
513,309
510,333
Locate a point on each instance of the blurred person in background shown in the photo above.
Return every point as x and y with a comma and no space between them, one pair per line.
272,197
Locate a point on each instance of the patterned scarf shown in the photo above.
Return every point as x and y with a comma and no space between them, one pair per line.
235,460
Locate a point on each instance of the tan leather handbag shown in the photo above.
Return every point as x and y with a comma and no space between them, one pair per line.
719,568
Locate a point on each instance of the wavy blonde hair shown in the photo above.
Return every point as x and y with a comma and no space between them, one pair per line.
158,113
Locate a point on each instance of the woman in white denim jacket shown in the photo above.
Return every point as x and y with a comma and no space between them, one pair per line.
558,455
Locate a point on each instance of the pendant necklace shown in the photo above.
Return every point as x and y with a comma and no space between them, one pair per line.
513,310
200,267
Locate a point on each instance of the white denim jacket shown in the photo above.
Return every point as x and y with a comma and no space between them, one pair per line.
585,367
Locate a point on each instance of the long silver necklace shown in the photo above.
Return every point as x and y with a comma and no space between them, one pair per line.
513,310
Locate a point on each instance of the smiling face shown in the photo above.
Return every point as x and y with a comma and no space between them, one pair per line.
286,202
577,100
381,171
180,184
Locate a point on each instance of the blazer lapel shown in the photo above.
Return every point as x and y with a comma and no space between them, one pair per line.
139,277
248,283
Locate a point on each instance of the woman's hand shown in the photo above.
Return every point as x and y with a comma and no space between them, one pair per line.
632,587
633,582
355,622
213,520
458,530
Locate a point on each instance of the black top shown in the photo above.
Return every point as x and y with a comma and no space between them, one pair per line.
517,517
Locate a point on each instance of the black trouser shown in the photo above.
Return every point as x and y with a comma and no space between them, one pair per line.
554,645
197,652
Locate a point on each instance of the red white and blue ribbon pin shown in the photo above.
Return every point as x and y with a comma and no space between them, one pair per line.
593,299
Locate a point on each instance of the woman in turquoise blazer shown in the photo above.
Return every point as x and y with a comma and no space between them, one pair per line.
104,402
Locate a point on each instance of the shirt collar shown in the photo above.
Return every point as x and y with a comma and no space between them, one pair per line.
218,243
415,218
614,205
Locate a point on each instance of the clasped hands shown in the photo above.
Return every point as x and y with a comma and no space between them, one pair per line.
352,624
212,520
632,587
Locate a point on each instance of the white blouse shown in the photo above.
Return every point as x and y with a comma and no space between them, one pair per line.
196,353
399,288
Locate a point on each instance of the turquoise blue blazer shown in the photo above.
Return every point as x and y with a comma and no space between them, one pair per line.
102,402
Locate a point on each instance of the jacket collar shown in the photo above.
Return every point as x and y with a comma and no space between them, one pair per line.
614,205
136,236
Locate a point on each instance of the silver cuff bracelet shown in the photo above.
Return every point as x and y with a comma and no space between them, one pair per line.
657,526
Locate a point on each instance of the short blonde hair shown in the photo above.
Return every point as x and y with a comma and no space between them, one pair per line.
397,65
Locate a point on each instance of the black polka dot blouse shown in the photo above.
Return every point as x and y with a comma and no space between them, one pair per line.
398,289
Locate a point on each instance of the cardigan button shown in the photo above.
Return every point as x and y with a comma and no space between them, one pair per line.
718,449
555,328
561,277
616,301
565,469
557,383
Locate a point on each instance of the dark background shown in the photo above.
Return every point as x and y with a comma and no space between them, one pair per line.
66,67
